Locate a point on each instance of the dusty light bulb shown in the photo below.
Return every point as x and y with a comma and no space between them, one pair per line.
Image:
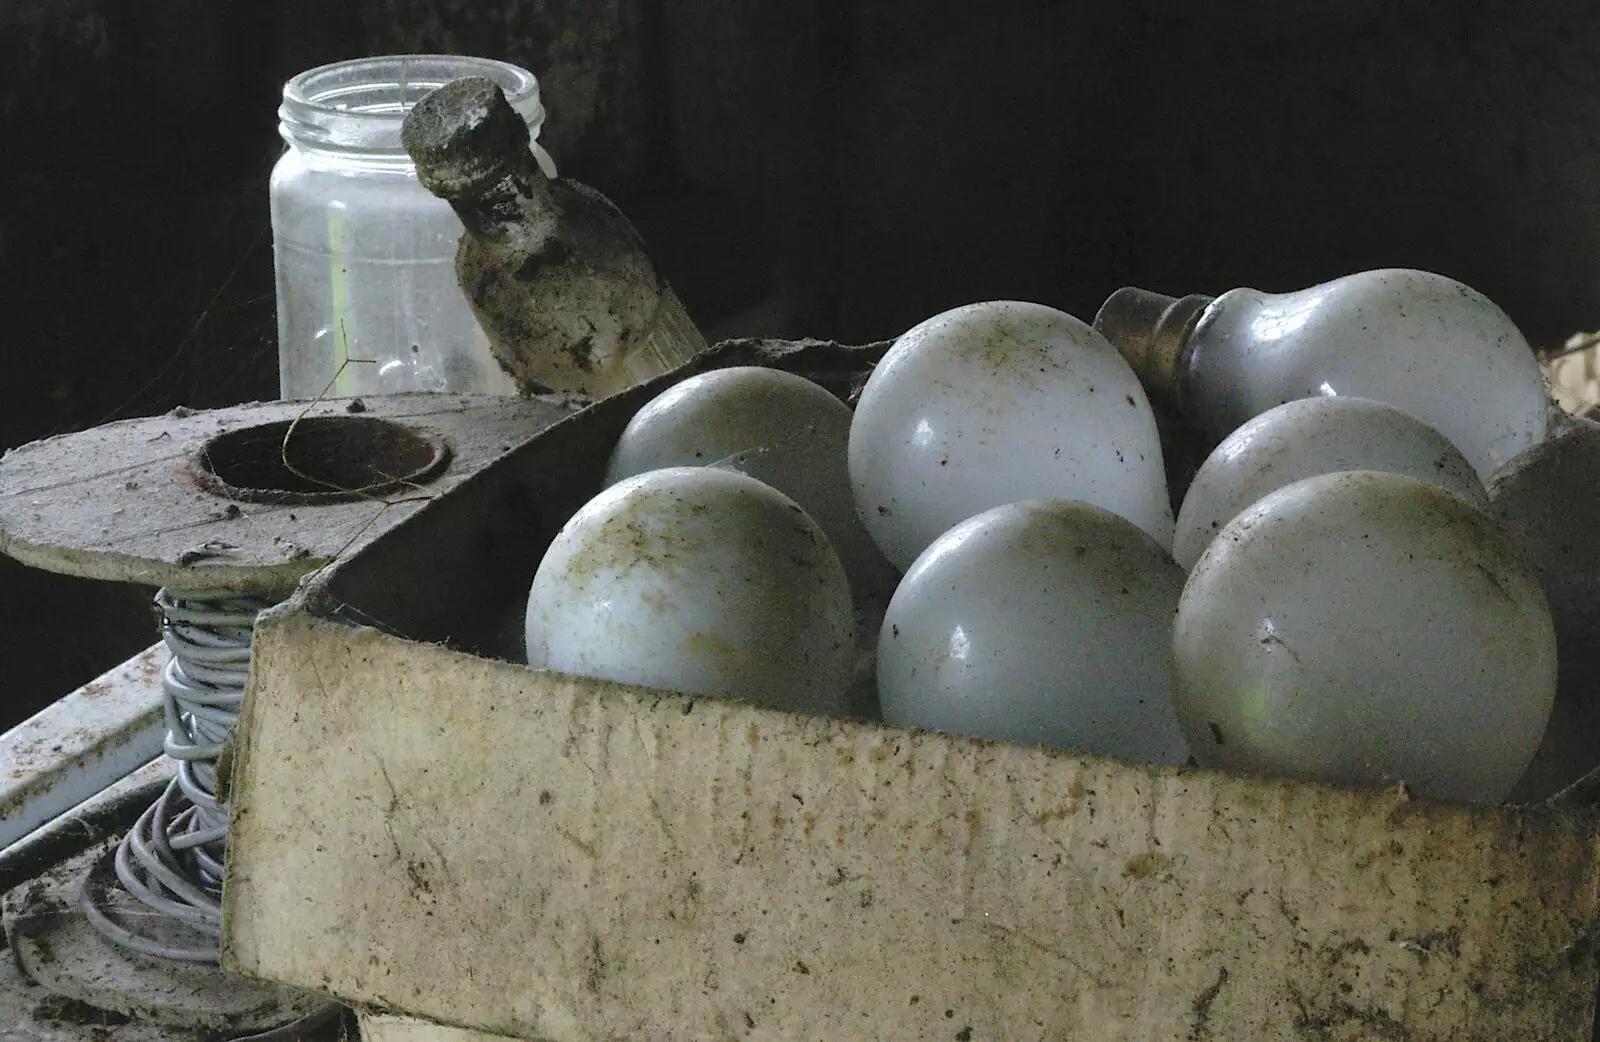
1424,343
779,428
709,416
994,403
1303,439
1366,629
700,581
1041,622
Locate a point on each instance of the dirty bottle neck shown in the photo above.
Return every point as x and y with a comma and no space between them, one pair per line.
516,212
471,149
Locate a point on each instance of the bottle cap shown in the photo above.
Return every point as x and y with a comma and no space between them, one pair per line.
1151,330
464,137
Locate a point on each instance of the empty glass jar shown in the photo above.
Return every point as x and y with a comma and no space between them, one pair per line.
368,301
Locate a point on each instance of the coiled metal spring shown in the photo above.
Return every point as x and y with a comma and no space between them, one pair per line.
171,861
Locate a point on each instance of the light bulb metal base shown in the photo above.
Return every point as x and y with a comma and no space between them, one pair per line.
1151,330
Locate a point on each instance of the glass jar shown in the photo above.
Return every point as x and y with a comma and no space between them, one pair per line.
368,301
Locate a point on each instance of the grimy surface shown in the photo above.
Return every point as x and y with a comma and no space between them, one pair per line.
1547,499
31,1013
58,948
121,502
560,859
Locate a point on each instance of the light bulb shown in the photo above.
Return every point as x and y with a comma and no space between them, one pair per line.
1042,622
1366,629
818,482
699,581
997,402
779,428
1303,439
1421,342
715,414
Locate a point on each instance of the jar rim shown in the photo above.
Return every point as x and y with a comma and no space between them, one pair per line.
359,105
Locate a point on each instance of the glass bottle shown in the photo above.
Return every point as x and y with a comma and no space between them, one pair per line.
1420,342
557,275
364,254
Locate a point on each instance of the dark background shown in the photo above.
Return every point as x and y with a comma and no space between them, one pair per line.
819,167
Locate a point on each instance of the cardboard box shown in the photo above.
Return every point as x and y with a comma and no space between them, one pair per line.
422,829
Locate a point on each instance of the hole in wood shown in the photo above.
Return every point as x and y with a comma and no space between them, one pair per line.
327,459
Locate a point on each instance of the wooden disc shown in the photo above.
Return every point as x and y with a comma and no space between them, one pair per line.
202,500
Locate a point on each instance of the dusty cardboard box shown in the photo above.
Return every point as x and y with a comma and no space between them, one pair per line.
422,829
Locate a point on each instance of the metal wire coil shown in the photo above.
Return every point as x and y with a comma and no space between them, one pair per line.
172,860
